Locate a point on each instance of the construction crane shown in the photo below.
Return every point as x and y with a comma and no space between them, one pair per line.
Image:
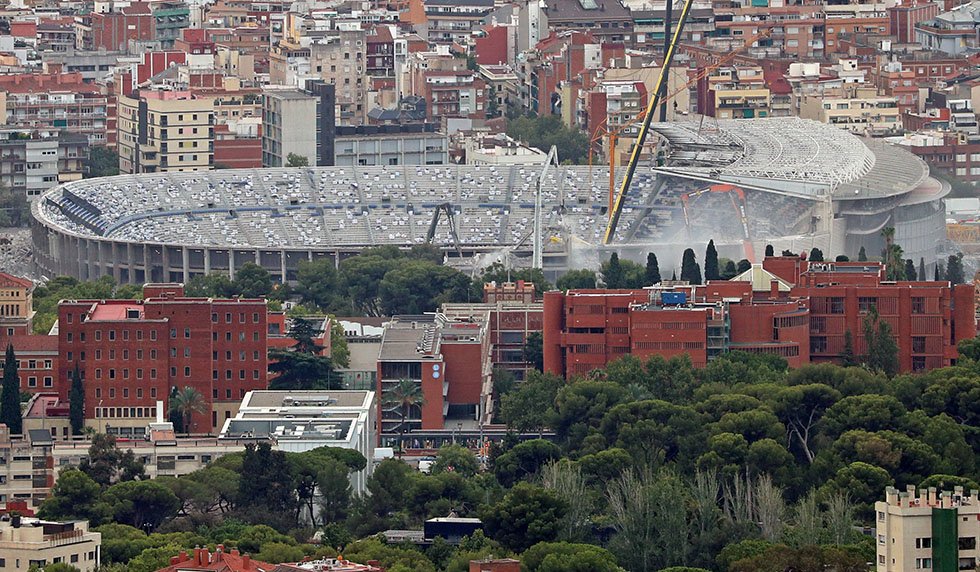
451,219
614,135
537,256
615,206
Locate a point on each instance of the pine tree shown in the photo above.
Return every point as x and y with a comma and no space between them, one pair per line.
847,357
882,349
711,270
910,272
673,276
862,255
10,399
954,269
922,269
770,251
653,270
940,272
816,255
612,274
76,402
743,265
690,270
730,271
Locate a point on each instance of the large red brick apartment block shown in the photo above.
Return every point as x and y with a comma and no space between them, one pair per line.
786,306
132,354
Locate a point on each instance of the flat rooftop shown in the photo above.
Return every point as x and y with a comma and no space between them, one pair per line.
306,399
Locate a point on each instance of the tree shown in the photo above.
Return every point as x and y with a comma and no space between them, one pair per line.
418,286
318,284
74,495
910,273
213,285
500,273
546,131
299,371
922,269
565,478
406,396
940,271
892,255
533,351
711,270
106,464
294,160
10,398
652,274
576,280
842,258
743,266
690,270
568,557
612,272
787,252
184,403
102,162
770,251
729,271
647,512
527,514
76,402
141,503
267,491
252,281
531,406
524,459
847,357
954,269
816,255
455,459
882,348
862,255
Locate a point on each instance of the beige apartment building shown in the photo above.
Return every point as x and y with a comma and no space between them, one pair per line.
26,542
859,110
738,92
927,530
163,131
339,59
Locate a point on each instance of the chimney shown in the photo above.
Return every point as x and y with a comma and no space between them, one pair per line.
774,289
234,552
183,556
246,562
174,560
931,496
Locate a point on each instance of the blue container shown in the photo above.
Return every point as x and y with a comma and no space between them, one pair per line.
673,298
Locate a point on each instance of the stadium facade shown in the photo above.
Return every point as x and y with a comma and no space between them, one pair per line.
791,183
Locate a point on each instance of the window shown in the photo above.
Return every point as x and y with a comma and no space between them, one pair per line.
918,344
967,543
918,305
187,371
923,563
187,333
921,543
818,344
837,305
866,303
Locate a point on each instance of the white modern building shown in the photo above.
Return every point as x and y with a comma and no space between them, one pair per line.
298,421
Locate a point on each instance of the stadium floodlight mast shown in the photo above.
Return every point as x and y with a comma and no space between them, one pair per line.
537,256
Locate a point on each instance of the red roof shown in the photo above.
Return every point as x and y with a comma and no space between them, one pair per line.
11,280
33,343
200,559
28,83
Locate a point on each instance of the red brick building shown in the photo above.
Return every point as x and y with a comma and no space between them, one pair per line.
903,17
449,359
788,307
202,560
133,353
112,31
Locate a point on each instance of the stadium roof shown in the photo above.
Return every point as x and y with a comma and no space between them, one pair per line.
796,156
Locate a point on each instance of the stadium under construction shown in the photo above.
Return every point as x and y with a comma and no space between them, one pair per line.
788,182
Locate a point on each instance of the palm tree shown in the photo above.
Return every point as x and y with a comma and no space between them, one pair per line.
183,404
405,395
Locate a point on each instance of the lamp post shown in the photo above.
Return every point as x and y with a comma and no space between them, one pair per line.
98,417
